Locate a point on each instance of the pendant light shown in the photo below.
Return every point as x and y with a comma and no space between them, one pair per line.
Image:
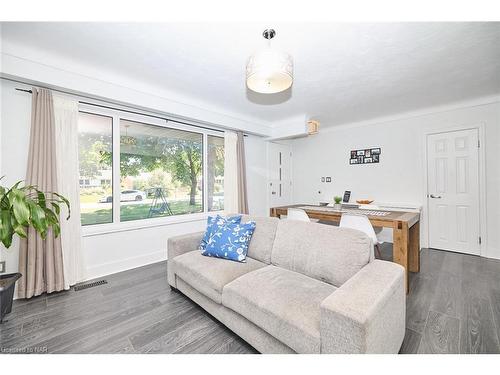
269,71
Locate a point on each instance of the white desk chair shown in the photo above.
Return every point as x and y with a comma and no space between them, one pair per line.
372,207
297,214
361,223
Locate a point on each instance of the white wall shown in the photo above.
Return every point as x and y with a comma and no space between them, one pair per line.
400,175
110,252
256,164
15,118
45,69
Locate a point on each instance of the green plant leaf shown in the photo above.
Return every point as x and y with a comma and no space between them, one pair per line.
53,221
42,202
1,226
21,210
7,240
26,206
57,229
6,231
66,202
38,218
20,230
57,209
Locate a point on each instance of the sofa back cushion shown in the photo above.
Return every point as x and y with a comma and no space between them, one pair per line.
263,237
323,252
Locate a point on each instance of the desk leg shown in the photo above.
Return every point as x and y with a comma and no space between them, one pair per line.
400,248
415,248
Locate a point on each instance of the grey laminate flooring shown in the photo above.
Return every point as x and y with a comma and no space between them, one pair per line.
453,307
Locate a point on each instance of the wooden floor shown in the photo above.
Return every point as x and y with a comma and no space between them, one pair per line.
453,307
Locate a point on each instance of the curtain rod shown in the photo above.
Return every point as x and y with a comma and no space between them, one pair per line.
31,92
129,111
125,110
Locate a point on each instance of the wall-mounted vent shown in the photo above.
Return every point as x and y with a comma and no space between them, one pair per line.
89,285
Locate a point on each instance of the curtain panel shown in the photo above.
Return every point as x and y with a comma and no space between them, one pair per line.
53,264
235,183
242,174
41,261
66,134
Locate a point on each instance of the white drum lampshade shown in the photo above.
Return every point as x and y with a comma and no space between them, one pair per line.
269,71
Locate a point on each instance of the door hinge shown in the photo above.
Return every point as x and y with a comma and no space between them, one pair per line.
478,143
479,240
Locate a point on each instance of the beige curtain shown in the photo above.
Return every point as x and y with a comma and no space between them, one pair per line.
235,181
40,261
242,174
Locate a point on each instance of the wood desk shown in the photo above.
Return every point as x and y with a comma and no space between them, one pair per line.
405,227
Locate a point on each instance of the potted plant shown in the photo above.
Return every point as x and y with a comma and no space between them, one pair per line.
22,207
337,205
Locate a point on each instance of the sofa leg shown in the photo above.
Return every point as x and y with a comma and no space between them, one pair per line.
173,289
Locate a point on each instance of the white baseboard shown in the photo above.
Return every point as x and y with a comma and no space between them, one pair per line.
125,264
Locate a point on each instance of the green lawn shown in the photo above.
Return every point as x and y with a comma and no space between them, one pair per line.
137,212
92,198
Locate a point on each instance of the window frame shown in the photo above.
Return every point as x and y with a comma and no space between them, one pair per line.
205,142
117,226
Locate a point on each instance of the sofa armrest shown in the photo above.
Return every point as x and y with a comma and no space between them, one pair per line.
179,245
367,313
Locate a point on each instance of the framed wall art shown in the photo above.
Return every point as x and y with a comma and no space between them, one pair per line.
365,156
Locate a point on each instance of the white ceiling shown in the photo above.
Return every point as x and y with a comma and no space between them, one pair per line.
344,72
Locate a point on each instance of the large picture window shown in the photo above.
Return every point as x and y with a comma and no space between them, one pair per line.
161,168
161,171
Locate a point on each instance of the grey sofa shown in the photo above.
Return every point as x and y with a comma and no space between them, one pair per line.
305,288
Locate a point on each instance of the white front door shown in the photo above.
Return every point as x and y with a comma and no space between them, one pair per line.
453,191
280,181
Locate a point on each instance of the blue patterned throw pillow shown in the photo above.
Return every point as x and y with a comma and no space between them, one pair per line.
213,224
231,241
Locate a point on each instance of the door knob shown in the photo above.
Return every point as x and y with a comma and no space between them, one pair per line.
435,196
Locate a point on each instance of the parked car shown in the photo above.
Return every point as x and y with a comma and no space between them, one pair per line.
126,196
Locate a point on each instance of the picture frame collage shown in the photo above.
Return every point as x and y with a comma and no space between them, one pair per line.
365,156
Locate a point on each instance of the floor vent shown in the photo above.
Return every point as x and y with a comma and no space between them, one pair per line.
89,285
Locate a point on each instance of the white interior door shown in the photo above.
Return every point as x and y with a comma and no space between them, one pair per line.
280,182
453,191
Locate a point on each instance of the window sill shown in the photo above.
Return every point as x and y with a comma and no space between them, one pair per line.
101,229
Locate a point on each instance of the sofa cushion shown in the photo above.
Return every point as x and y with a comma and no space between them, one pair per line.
209,275
283,303
214,223
230,241
263,237
323,252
